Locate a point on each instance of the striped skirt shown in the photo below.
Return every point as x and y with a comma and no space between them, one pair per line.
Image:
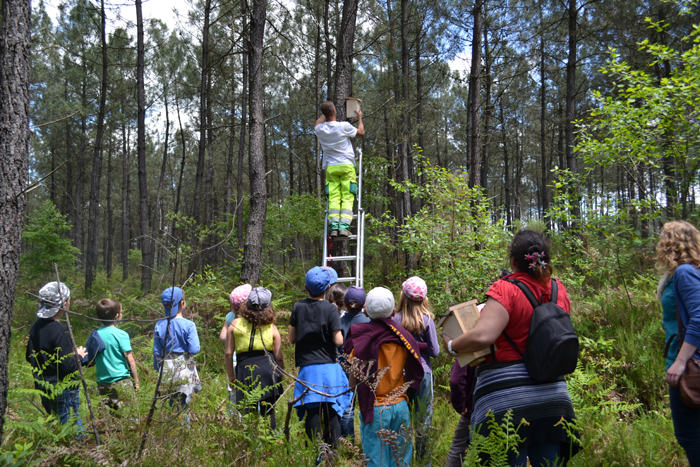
542,405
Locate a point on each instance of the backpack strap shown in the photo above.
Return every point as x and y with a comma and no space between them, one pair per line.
252,338
526,290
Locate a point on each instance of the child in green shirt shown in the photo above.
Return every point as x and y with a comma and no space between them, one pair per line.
109,348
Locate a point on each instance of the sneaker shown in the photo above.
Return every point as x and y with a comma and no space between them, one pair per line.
343,233
334,233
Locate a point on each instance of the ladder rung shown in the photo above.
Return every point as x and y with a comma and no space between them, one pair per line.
349,237
347,279
341,258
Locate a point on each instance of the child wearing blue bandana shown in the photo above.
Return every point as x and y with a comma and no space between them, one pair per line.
176,352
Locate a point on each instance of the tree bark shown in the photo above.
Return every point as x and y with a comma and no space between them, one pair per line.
144,218
475,99
109,254
329,47
252,252
506,166
484,179
94,215
156,206
15,38
199,177
244,115
543,108
125,205
571,102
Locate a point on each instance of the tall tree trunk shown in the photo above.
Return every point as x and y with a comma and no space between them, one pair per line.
144,218
329,47
156,206
543,108
231,139
79,186
199,176
419,111
110,215
317,89
571,102
125,205
244,115
15,47
343,89
93,221
487,114
52,190
252,253
475,98
506,166
406,125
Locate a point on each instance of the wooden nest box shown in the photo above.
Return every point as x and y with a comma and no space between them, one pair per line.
352,105
460,319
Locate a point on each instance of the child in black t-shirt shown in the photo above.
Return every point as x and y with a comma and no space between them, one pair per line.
315,329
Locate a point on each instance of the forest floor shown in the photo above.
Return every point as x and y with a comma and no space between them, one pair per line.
618,392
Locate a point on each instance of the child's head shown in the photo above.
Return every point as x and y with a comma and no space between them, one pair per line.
355,299
318,279
239,295
380,303
172,298
336,295
258,308
414,304
52,298
108,310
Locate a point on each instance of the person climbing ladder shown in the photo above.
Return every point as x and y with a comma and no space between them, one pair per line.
339,163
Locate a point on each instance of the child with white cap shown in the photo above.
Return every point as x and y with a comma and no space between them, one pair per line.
253,336
315,329
50,352
415,315
384,406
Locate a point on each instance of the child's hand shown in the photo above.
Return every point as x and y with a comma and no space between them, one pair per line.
136,386
82,351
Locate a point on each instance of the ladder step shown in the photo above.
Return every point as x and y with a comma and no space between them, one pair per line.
342,258
349,237
347,279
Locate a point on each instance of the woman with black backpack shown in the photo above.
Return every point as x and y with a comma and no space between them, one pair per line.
678,255
534,347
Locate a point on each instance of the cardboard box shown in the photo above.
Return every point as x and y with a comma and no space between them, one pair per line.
460,319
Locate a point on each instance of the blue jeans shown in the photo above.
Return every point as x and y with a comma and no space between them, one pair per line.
394,418
540,455
62,405
347,421
686,426
421,400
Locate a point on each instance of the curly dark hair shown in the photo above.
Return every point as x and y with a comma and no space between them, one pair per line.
266,316
527,242
336,295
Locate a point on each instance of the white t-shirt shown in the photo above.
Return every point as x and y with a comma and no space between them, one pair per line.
335,142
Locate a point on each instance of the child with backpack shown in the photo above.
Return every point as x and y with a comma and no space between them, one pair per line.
314,327
415,315
175,353
384,410
339,164
253,335
510,378
109,349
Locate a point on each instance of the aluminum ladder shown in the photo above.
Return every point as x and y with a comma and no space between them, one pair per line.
359,237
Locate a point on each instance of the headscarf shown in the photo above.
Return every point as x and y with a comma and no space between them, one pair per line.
171,298
239,295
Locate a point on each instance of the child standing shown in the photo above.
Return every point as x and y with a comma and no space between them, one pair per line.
385,407
109,348
176,354
336,295
50,352
354,302
238,296
339,163
315,329
252,335
416,317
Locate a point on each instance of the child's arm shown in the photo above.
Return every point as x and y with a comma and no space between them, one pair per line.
132,366
193,346
277,346
224,332
321,119
157,350
292,335
228,352
433,349
338,338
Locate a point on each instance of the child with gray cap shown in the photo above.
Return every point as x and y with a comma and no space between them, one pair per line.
252,335
315,329
384,405
50,353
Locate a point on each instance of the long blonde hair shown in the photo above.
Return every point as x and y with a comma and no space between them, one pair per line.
679,243
412,313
